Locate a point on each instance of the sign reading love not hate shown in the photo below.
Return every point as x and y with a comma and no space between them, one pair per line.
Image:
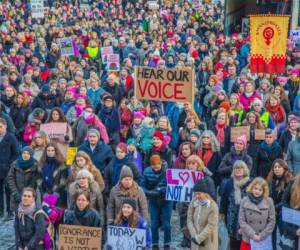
164,84
180,183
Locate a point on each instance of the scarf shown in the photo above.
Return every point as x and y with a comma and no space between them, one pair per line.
206,153
277,112
25,164
117,167
255,200
79,109
269,148
47,172
90,119
22,211
221,132
237,184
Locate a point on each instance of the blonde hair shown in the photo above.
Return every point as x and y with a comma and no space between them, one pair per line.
295,193
261,182
240,164
195,158
168,122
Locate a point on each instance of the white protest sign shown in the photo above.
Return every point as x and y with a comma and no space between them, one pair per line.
66,46
113,62
180,183
125,238
265,244
295,36
37,8
153,5
54,130
291,216
196,4
105,51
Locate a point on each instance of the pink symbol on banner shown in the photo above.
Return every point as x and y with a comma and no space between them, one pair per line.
184,176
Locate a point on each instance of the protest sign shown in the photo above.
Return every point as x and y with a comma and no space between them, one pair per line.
105,51
291,216
54,130
265,244
125,238
180,183
66,46
113,62
153,5
37,8
196,4
235,132
164,84
71,152
79,237
295,36
259,134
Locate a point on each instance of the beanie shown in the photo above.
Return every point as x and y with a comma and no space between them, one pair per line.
155,160
29,150
122,146
225,105
293,117
94,131
138,114
131,202
158,134
84,173
126,172
131,141
242,139
195,132
203,187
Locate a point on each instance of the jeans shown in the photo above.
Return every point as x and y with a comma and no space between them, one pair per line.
4,187
160,211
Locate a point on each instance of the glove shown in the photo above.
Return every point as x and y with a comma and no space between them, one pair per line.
17,197
67,138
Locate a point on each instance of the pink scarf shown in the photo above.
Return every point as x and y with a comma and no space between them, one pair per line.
220,132
79,109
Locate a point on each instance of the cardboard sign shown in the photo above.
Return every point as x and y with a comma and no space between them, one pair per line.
66,46
265,244
259,134
71,152
180,183
105,51
37,8
125,238
54,130
295,36
79,237
164,84
235,132
291,216
113,62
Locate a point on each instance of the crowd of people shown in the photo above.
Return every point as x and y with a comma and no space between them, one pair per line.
125,145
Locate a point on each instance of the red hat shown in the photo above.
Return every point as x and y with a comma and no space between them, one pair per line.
195,54
225,105
158,134
122,146
218,66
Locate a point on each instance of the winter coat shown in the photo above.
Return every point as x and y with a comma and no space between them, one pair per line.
247,101
10,124
101,155
111,120
289,230
17,179
32,88
165,155
110,170
202,222
95,95
8,153
29,132
90,218
230,209
119,194
256,219
285,139
45,102
30,234
19,116
265,158
116,91
225,148
154,183
225,168
293,156
96,199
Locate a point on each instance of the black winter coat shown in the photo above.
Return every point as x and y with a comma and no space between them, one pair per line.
265,158
225,148
284,140
45,103
8,153
30,234
90,218
19,115
165,155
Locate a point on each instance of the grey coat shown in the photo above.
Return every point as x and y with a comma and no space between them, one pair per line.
293,156
256,219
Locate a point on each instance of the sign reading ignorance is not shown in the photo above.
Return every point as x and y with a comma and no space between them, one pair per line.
164,84
79,237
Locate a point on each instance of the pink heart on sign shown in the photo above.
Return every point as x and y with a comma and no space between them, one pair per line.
184,176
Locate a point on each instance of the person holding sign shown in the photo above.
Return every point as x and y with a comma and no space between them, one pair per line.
291,199
257,214
202,218
82,214
129,217
30,224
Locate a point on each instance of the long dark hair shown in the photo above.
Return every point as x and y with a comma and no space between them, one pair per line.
132,220
85,194
62,117
287,175
58,155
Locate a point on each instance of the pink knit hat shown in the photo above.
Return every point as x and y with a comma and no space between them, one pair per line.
242,139
138,114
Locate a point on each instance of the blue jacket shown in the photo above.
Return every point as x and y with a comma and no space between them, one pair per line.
154,183
101,156
95,95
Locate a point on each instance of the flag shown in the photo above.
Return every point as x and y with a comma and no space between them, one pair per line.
268,41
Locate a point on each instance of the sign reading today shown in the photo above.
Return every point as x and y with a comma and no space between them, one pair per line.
180,183
79,237
125,238
164,84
